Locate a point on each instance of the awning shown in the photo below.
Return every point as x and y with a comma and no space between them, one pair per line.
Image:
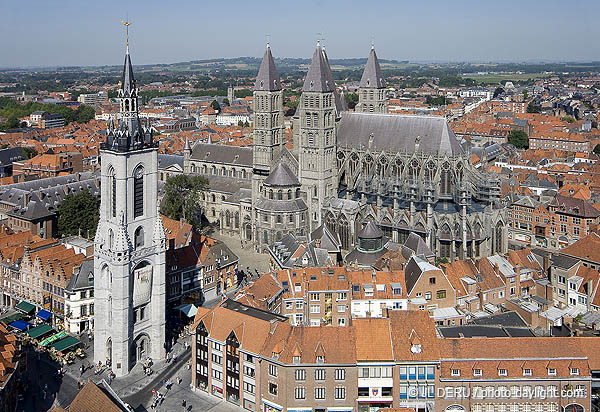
188,309
10,319
44,315
25,307
39,331
65,343
273,405
53,338
20,325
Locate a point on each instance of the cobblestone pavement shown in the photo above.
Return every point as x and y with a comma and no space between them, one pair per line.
248,256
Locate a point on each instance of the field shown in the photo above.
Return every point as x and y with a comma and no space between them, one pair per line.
501,78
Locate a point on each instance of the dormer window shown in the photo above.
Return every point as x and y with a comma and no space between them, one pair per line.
296,360
320,359
416,348
527,372
574,371
551,371
477,372
502,372
455,372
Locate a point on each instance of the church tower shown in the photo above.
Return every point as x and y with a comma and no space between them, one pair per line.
130,244
230,94
371,96
317,164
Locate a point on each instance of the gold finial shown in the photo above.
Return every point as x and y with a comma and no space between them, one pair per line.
127,24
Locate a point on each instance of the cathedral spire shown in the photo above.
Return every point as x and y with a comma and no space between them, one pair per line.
268,77
372,77
319,77
128,81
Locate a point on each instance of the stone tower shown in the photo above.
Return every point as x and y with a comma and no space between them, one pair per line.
130,244
268,122
317,136
371,96
230,94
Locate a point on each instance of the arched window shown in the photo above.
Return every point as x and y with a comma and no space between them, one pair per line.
227,219
139,237
237,220
138,192
446,180
265,237
111,239
112,187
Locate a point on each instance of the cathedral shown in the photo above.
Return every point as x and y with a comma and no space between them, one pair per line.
130,243
406,173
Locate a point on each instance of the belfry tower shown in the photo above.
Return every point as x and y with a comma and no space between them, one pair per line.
130,243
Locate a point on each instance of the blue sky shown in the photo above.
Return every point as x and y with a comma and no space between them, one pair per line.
69,32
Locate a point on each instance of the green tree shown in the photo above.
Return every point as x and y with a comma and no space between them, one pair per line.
518,138
597,149
79,212
182,198
84,113
226,102
534,108
568,119
215,105
246,124
30,152
525,95
351,100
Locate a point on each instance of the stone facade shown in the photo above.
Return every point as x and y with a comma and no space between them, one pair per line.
130,243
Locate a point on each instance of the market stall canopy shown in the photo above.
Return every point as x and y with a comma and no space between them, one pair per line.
39,331
56,337
25,307
20,325
10,319
189,310
65,343
44,315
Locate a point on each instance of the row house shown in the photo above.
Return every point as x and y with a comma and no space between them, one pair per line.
13,363
514,374
571,142
50,164
259,361
553,225
45,273
575,285
79,299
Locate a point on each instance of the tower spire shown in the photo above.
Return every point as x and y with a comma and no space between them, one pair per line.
268,76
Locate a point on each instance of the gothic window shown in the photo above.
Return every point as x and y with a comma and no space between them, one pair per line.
344,232
279,195
111,239
367,165
311,139
414,170
227,219
499,237
213,198
289,194
138,192
297,193
139,237
371,108
331,223
446,180
113,192
315,121
265,237
430,170
212,212
271,194
237,220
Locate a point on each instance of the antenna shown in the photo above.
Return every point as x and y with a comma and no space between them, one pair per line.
372,42
319,35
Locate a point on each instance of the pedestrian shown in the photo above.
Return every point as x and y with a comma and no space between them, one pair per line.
183,403
81,369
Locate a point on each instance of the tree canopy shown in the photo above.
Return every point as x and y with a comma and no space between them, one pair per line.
534,108
215,105
13,110
519,139
79,212
182,198
597,149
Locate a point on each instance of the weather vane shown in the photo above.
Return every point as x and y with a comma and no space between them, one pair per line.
127,24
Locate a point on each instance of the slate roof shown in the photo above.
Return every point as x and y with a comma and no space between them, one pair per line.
372,77
397,133
329,240
293,205
319,77
84,279
415,243
575,206
268,77
167,160
217,153
128,81
370,231
8,156
282,175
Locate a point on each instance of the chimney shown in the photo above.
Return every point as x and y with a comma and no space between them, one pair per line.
518,279
373,276
546,266
181,223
